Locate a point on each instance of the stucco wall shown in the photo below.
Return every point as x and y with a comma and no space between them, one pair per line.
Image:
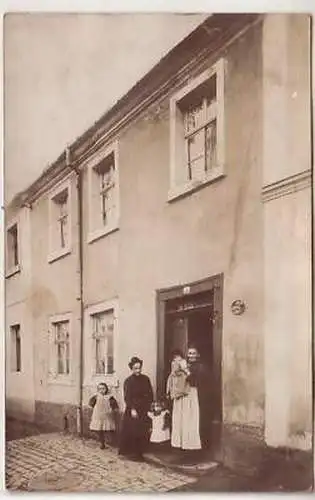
217,229
20,402
54,291
287,231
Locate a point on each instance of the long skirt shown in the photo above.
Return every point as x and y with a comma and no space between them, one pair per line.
185,422
134,436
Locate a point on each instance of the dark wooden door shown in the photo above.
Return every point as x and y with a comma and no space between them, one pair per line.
193,318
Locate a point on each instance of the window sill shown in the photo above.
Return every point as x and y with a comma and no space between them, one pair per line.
111,380
61,380
100,233
14,270
177,192
58,254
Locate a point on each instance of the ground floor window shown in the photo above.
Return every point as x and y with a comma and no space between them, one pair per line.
16,364
62,339
103,337
101,343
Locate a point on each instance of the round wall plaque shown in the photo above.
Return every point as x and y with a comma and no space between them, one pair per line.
238,307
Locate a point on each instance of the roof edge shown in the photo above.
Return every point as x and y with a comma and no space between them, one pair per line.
202,38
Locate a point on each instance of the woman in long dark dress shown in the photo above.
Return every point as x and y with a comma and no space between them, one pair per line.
138,396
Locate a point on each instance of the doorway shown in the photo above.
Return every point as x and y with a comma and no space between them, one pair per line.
192,315
189,321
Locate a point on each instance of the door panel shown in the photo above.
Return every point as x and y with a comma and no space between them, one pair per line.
200,335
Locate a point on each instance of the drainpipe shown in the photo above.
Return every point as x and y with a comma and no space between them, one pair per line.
78,172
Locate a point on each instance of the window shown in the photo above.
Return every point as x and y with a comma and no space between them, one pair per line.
105,175
103,335
197,132
62,342
59,223
104,200
60,370
15,348
200,129
12,249
101,341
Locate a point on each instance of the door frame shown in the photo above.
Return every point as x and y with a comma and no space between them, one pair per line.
215,284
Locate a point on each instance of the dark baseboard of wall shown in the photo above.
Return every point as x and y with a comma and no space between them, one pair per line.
62,417
243,449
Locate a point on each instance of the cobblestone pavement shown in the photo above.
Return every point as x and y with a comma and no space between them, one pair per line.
59,462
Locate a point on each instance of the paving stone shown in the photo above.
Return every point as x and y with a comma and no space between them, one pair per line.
57,462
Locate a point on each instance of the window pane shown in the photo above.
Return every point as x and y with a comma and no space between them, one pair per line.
67,353
196,145
62,339
110,365
60,356
104,208
197,168
211,92
194,116
63,232
110,354
15,248
211,145
18,350
63,209
103,331
196,159
107,194
12,246
100,356
15,346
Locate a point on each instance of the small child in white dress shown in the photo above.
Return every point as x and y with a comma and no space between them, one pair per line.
103,416
160,418
177,385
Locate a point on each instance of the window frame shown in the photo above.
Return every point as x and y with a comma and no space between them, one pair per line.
177,190
56,252
53,376
95,234
14,269
91,378
13,369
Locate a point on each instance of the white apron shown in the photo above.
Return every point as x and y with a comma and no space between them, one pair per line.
102,416
159,435
185,422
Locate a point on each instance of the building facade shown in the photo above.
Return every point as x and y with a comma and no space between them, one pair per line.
182,216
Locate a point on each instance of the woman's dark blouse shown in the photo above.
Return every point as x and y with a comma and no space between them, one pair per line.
138,393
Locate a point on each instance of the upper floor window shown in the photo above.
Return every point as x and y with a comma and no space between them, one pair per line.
16,352
13,246
13,257
59,223
197,132
104,199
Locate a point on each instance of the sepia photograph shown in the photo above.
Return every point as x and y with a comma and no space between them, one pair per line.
158,227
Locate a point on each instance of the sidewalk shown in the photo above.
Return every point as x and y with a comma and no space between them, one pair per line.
167,457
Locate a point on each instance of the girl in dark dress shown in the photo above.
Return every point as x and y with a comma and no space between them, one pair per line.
138,396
